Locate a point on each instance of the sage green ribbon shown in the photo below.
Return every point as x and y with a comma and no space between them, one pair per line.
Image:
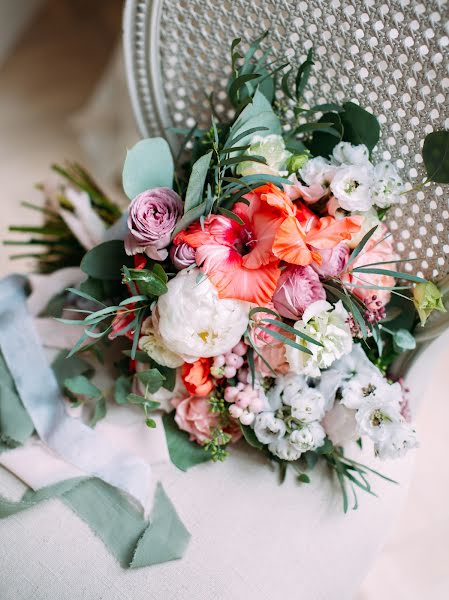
134,541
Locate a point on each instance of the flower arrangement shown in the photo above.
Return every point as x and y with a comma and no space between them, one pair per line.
257,293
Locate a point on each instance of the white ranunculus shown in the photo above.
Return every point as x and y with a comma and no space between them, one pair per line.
310,437
272,148
380,412
346,153
268,428
369,220
340,425
318,171
401,439
194,322
325,324
284,449
351,187
387,185
153,345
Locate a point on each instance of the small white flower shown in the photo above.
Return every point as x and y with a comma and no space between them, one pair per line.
317,171
351,186
268,428
307,403
402,438
284,449
310,437
153,345
328,325
194,322
380,413
387,185
345,153
272,148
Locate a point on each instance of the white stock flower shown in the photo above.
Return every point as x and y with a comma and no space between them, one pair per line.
387,185
351,186
317,171
325,324
401,439
272,148
153,345
268,428
346,153
284,449
194,322
310,437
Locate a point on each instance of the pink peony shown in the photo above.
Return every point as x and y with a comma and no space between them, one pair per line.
182,256
296,289
193,415
333,260
374,253
151,220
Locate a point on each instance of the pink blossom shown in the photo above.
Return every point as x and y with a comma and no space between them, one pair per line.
296,289
272,351
151,220
182,255
333,260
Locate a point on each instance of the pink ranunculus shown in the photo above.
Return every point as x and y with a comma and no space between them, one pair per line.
152,218
194,415
374,253
333,260
182,255
296,289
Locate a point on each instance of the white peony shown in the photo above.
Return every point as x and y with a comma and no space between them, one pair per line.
272,148
345,153
387,186
194,322
310,437
351,186
268,428
325,324
318,171
153,345
284,449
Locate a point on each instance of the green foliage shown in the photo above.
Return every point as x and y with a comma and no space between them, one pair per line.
149,164
323,142
194,193
403,340
80,385
151,283
250,437
152,379
436,156
359,126
99,411
122,389
106,260
184,454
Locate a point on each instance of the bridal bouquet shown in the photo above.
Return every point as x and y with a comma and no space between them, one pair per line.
253,287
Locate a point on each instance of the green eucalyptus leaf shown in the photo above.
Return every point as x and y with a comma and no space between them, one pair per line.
99,411
189,217
149,164
183,453
122,388
250,437
436,156
79,385
152,379
106,260
404,340
194,193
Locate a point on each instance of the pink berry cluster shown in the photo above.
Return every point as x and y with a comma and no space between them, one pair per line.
246,401
227,365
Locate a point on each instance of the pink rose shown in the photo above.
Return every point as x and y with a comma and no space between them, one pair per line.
296,289
182,255
374,252
193,414
152,218
334,260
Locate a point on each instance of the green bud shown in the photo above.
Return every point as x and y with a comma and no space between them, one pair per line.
297,161
427,298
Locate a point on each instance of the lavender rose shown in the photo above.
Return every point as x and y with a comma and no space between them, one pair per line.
334,260
296,289
182,256
151,220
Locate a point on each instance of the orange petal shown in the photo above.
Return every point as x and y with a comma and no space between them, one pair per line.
290,245
331,232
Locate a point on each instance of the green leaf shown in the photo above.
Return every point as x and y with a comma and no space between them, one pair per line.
360,246
184,454
194,193
189,217
435,153
323,142
395,274
106,260
81,386
149,282
303,74
284,339
238,83
240,136
122,388
151,423
231,215
65,368
99,411
310,127
360,126
152,379
304,478
148,404
250,437
326,448
293,331
149,164
404,340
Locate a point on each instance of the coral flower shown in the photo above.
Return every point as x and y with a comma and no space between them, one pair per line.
300,232
196,377
237,257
